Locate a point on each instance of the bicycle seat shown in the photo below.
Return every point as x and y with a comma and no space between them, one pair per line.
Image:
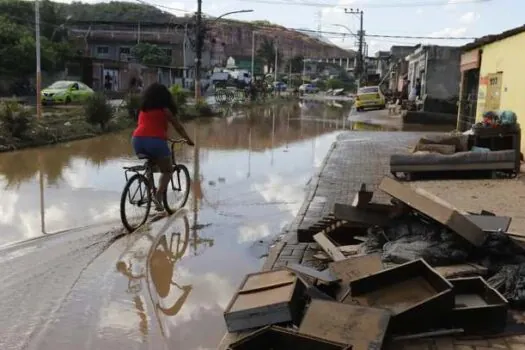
142,156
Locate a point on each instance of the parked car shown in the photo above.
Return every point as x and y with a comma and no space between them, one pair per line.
64,92
308,89
369,97
279,86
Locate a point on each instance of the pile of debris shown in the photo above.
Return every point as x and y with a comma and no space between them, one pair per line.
422,268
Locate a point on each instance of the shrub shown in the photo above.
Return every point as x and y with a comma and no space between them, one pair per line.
15,119
180,95
98,110
133,106
203,109
334,84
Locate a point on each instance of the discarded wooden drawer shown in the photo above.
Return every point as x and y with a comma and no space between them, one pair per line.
266,298
368,214
435,208
277,338
354,268
327,224
479,309
363,327
415,293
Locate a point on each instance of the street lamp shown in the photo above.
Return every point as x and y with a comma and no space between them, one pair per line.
200,43
61,27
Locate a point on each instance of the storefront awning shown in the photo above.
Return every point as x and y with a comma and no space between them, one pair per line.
470,60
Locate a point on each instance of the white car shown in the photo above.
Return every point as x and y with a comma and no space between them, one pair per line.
308,88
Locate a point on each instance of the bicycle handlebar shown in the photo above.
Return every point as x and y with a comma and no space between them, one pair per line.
178,140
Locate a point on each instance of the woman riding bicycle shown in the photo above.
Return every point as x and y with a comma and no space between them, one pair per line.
150,137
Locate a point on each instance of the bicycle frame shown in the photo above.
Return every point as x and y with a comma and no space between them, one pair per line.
147,169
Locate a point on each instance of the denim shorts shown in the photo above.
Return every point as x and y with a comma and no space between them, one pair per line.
152,147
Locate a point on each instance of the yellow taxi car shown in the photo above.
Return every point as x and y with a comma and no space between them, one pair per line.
369,97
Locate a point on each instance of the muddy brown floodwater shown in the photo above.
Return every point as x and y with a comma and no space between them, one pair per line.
166,286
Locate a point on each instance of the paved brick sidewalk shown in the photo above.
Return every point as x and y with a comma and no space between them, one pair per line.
356,158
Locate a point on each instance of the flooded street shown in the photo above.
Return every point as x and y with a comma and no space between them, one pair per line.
167,286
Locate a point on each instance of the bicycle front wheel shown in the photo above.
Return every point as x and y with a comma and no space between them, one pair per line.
178,189
135,202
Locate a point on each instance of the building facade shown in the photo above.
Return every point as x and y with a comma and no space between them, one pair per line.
492,77
437,68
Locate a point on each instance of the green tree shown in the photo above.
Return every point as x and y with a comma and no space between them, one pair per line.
150,54
297,64
267,53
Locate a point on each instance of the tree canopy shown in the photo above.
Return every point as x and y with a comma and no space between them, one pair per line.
267,52
114,11
17,38
150,54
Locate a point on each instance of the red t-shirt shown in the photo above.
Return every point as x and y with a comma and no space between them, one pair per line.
153,123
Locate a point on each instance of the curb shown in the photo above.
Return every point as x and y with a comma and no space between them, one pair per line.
312,186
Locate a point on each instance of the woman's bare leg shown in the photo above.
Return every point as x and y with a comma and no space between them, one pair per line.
166,170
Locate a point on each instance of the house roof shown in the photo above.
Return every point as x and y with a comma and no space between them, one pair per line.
488,39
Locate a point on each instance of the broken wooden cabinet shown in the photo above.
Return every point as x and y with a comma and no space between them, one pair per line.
415,293
277,338
266,298
363,327
479,309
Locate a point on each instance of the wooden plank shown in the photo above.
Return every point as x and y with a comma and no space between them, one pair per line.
273,256
461,270
330,248
436,208
323,276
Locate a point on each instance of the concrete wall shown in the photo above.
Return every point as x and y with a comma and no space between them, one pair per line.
507,56
443,75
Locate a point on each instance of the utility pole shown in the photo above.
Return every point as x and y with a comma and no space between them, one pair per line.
199,47
290,68
276,58
361,35
38,71
253,54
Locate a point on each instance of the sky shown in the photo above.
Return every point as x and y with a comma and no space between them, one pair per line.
444,18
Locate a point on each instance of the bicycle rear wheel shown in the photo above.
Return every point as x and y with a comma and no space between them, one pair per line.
137,194
178,189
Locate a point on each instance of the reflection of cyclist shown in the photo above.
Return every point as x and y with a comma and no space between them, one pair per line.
149,138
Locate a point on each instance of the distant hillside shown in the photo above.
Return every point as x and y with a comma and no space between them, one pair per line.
117,11
236,34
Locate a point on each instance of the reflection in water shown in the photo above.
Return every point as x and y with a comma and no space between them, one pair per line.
151,263
79,183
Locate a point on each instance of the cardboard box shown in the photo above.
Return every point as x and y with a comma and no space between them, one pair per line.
435,208
266,298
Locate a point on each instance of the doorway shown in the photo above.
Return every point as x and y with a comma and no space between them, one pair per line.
492,101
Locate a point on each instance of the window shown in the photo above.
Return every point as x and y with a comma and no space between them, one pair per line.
125,50
102,50
167,52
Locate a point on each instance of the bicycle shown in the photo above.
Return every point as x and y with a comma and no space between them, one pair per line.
142,196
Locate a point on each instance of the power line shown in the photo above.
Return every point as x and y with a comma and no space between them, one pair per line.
162,6
367,5
387,36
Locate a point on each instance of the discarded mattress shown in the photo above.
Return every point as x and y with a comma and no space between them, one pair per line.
495,160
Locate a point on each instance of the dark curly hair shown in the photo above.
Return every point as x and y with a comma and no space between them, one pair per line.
157,96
